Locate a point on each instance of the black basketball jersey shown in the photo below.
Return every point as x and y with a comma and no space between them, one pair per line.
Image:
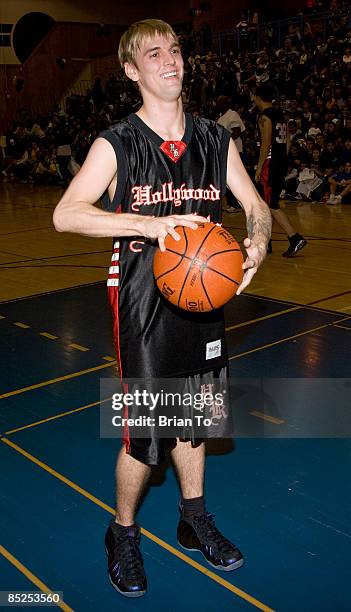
157,177
278,153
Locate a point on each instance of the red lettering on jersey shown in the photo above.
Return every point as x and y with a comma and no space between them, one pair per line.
143,196
134,248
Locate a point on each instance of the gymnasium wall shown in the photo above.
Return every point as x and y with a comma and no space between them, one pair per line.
44,82
119,12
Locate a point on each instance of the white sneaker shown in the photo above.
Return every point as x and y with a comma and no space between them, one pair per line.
331,199
338,199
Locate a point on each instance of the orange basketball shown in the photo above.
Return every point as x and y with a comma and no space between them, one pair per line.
200,272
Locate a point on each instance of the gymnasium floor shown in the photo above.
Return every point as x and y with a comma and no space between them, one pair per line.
281,491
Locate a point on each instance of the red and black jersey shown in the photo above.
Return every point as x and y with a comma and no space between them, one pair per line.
157,177
278,152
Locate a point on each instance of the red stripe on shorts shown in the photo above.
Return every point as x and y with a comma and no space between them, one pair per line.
264,180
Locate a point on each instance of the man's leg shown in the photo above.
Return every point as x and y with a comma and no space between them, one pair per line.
196,529
131,478
122,540
333,185
283,221
345,191
189,464
296,240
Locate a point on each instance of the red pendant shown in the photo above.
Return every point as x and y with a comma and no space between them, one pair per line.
174,149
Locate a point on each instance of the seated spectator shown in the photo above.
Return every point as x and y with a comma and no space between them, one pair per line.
20,168
346,130
329,158
320,141
40,172
313,130
310,145
293,130
308,182
346,58
34,152
340,182
345,154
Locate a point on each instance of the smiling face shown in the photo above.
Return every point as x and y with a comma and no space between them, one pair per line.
158,68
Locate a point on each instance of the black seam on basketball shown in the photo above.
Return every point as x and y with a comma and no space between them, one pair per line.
204,240
190,267
181,255
180,227
171,269
224,276
205,290
220,253
186,239
177,253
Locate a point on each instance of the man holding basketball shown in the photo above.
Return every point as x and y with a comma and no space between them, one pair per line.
161,168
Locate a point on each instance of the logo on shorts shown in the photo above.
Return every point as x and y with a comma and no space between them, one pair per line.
213,349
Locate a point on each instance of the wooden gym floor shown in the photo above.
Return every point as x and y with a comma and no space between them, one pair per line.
281,491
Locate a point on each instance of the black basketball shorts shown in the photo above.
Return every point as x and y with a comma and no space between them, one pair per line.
271,184
153,450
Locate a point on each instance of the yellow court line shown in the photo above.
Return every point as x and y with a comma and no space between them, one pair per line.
304,333
34,579
108,358
79,347
252,600
2,317
55,416
47,335
266,417
22,325
270,316
344,327
46,383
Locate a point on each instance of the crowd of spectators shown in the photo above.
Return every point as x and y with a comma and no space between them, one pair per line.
311,73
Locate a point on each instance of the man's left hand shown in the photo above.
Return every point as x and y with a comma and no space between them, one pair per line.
255,256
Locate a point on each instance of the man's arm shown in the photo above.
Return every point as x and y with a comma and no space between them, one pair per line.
76,212
236,126
258,216
265,127
288,141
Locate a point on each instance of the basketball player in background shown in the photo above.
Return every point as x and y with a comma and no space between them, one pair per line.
232,121
161,168
273,162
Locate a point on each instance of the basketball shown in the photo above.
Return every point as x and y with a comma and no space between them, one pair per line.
201,271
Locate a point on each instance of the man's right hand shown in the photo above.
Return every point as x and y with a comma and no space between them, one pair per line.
157,228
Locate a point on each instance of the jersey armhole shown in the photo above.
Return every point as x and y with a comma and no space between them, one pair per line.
116,143
224,159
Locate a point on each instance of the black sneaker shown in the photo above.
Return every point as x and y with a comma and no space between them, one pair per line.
295,247
200,533
125,563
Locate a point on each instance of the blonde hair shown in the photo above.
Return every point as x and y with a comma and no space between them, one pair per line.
136,34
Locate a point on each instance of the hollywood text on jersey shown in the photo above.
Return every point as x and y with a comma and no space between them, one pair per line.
144,196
